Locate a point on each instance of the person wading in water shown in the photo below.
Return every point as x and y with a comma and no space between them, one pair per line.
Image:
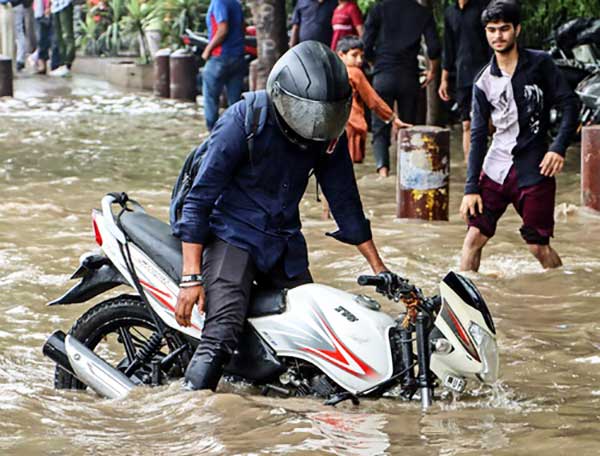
515,91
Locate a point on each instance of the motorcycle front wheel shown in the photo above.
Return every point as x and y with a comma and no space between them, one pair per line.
115,330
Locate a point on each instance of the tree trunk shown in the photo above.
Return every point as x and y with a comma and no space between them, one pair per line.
271,36
434,109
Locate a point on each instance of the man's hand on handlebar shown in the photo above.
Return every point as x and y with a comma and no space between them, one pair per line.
386,283
389,285
396,288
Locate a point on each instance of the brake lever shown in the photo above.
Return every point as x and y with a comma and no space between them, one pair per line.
408,292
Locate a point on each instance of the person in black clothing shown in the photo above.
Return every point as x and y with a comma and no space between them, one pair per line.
465,52
311,20
515,91
392,41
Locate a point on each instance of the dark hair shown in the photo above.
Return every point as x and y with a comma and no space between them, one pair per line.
502,10
348,43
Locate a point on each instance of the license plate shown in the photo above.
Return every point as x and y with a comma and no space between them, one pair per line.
455,383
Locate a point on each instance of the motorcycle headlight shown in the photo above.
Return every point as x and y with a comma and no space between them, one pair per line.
488,350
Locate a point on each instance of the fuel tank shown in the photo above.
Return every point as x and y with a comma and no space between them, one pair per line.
344,335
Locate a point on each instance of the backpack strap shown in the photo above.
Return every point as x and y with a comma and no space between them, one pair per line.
256,117
254,114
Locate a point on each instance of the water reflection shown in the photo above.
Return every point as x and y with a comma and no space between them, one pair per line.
342,433
59,155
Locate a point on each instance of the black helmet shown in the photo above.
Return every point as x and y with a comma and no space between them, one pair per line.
309,89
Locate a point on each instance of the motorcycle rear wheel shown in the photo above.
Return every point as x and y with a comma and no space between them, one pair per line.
102,328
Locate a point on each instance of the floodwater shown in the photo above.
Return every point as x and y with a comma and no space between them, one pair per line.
63,144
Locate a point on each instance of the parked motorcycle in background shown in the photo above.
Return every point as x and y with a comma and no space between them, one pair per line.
588,91
574,47
312,340
576,51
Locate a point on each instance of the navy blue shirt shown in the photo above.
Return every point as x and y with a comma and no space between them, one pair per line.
254,205
314,19
522,136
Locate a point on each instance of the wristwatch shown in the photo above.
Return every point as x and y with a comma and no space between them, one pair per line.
191,280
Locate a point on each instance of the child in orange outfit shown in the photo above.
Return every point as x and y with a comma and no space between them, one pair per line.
350,50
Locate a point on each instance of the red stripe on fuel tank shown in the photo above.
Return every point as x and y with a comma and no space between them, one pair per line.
340,359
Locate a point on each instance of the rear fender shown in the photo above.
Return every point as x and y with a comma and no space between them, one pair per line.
97,275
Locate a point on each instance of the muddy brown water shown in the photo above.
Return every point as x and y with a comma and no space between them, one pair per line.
64,144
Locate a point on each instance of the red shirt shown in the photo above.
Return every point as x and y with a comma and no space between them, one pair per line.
346,18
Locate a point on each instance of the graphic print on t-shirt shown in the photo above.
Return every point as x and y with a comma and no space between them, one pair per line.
534,103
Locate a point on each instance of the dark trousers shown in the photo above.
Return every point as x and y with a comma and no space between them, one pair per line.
229,273
218,73
43,32
402,87
56,59
63,30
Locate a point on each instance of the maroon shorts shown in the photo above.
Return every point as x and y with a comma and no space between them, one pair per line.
535,205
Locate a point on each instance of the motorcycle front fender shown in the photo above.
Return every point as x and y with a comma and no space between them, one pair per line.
97,275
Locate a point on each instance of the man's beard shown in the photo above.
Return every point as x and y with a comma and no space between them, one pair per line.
508,48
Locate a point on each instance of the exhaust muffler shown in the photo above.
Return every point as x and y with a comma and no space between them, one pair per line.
80,361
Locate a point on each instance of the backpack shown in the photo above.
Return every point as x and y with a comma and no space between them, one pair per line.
254,122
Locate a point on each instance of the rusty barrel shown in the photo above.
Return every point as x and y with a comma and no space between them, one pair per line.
590,167
161,73
423,173
182,73
6,76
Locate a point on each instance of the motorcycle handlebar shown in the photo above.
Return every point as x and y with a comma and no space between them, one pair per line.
366,280
403,289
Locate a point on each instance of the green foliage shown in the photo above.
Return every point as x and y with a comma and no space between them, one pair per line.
112,34
365,5
90,31
183,14
541,17
140,16
104,27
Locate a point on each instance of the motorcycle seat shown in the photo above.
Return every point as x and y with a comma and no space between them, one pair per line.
154,238
265,302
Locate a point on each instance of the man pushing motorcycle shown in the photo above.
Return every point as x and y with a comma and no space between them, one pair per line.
240,222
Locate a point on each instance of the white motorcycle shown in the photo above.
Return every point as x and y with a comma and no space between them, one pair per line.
309,340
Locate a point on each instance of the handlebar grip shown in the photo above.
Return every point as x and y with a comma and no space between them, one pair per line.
369,280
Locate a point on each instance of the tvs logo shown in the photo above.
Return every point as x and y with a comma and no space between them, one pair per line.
346,314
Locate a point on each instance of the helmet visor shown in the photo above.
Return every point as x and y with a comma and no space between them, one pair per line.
313,120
